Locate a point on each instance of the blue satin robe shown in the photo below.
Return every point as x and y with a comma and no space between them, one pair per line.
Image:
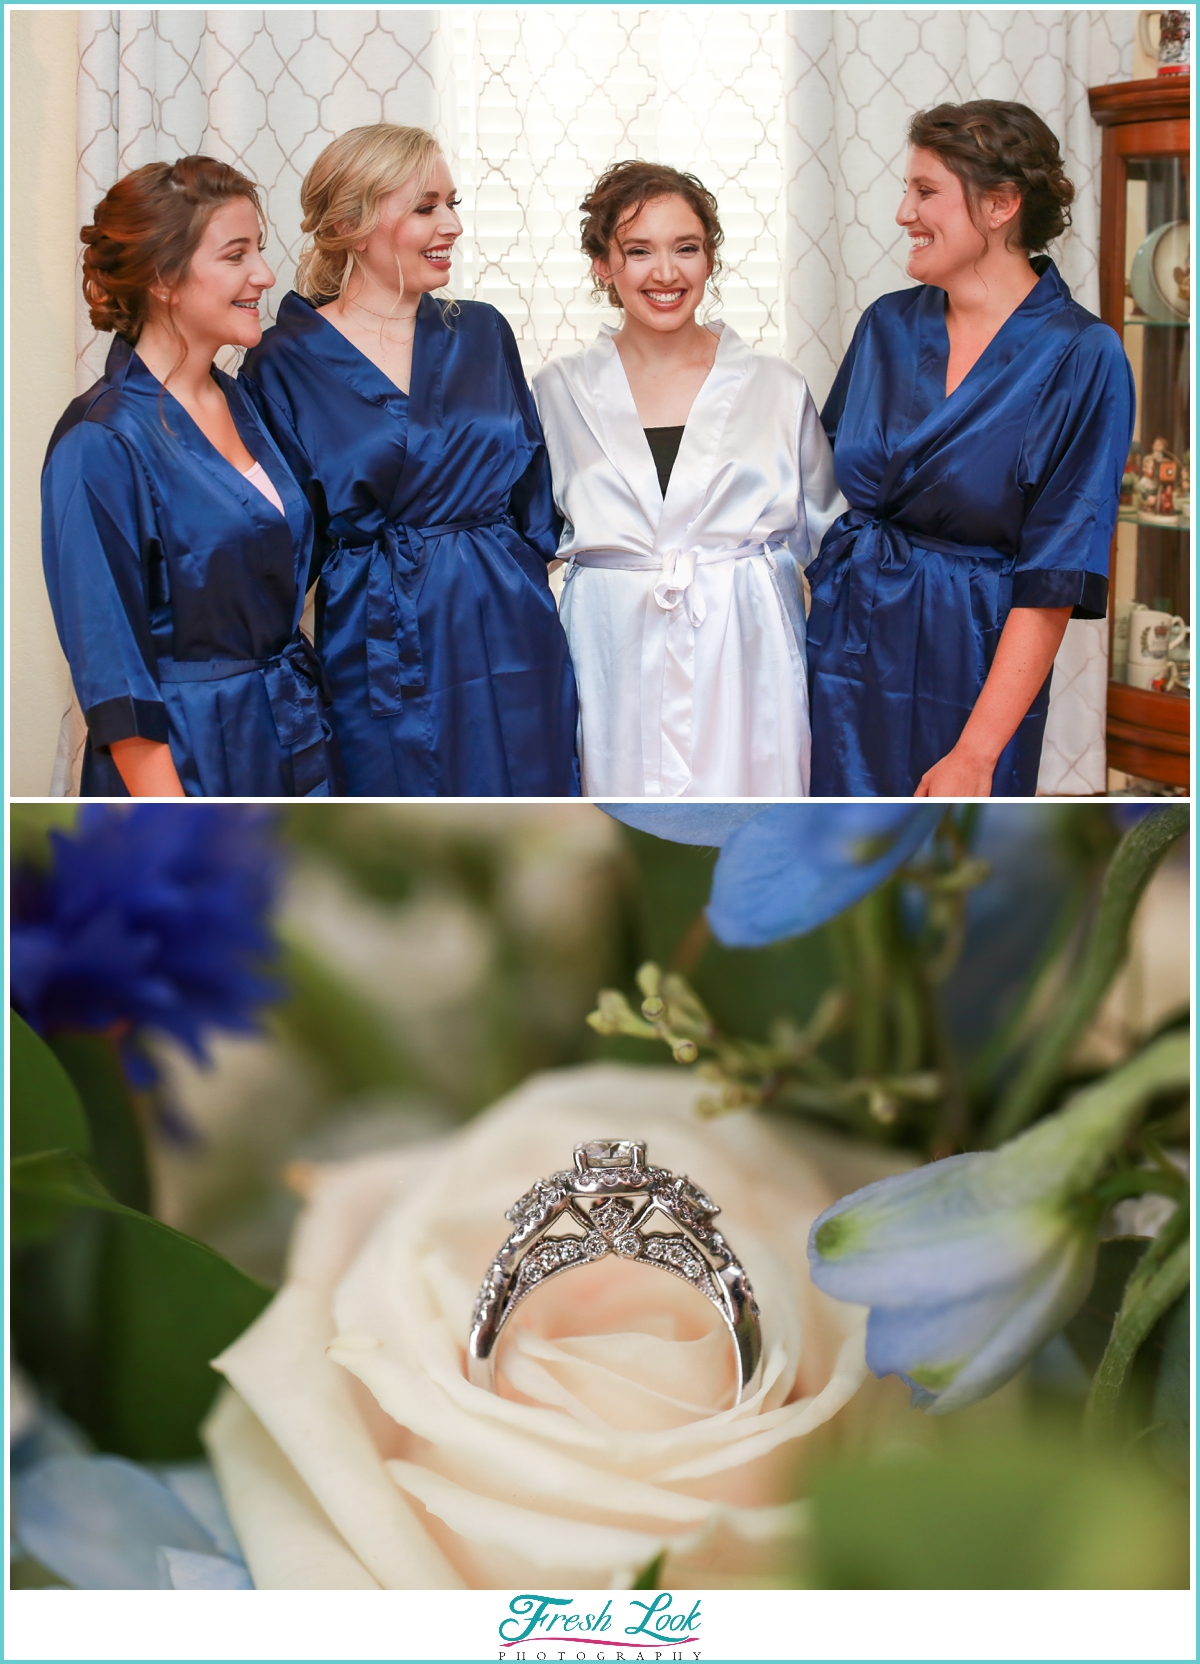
177,590
1002,495
435,521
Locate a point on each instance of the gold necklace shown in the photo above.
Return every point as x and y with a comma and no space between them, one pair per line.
385,317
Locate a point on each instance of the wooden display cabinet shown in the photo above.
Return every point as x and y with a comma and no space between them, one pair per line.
1145,295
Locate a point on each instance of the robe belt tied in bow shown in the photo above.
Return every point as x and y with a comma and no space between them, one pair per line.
857,547
676,584
395,665
297,692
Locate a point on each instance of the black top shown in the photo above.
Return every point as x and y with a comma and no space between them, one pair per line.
664,448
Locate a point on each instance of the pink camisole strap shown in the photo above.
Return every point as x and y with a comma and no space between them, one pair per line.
259,477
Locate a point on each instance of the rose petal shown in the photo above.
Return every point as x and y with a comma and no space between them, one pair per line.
289,1543
614,1443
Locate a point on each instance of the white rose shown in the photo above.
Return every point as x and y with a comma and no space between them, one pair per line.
353,1452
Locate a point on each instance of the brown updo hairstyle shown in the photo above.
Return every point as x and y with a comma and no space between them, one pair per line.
620,194
146,229
342,198
988,143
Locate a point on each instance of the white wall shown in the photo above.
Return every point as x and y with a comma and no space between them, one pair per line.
42,245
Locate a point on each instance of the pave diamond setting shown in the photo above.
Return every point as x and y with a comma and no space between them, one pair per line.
578,1218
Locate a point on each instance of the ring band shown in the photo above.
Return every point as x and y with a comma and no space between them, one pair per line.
607,1206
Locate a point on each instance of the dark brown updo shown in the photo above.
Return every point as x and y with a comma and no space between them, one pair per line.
988,143
146,230
620,194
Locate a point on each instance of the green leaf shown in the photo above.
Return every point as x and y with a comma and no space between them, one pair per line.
143,1313
1171,1409
62,1176
1138,857
46,1113
93,1062
1089,1329
997,1511
650,1573
1157,1282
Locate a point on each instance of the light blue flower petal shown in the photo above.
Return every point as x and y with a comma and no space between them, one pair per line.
686,823
1009,917
796,865
184,1569
98,1522
902,1340
195,1484
1042,1312
951,1355
943,1232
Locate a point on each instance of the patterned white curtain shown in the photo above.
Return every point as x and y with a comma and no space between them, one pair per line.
853,81
794,118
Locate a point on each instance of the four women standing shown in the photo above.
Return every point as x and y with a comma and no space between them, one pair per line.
979,424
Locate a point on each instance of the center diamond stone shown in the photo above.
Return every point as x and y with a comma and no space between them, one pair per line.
610,1152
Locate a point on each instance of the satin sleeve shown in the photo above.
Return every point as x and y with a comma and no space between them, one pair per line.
835,404
819,492
1072,457
98,559
531,502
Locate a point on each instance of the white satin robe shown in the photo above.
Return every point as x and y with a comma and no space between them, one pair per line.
685,616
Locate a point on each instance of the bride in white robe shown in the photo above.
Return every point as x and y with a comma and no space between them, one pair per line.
684,612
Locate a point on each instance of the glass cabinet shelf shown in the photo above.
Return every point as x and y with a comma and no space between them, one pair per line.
1145,283
1130,517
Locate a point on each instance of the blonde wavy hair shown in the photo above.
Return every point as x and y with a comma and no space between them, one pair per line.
342,194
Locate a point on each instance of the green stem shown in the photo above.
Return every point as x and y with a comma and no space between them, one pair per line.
1143,1182
993,1053
869,924
1150,1292
1137,858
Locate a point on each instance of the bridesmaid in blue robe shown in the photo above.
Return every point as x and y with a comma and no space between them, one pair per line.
428,477
176,582
967,507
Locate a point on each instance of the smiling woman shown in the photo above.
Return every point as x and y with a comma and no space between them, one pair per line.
695,483
175,541
412,430
980,423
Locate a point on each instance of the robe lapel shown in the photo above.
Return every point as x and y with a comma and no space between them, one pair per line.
618,426
219,469
295,507
696,462
936,416
432,344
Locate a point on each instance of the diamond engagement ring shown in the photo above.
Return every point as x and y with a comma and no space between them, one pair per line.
613,1203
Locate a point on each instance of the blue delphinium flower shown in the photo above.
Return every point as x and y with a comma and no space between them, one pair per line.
101,1522
152,917
1010,917
971,1264
786,868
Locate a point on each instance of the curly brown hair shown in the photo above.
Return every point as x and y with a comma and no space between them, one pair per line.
146,229
988,143
620,194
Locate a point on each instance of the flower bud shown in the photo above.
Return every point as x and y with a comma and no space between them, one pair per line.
969,1265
